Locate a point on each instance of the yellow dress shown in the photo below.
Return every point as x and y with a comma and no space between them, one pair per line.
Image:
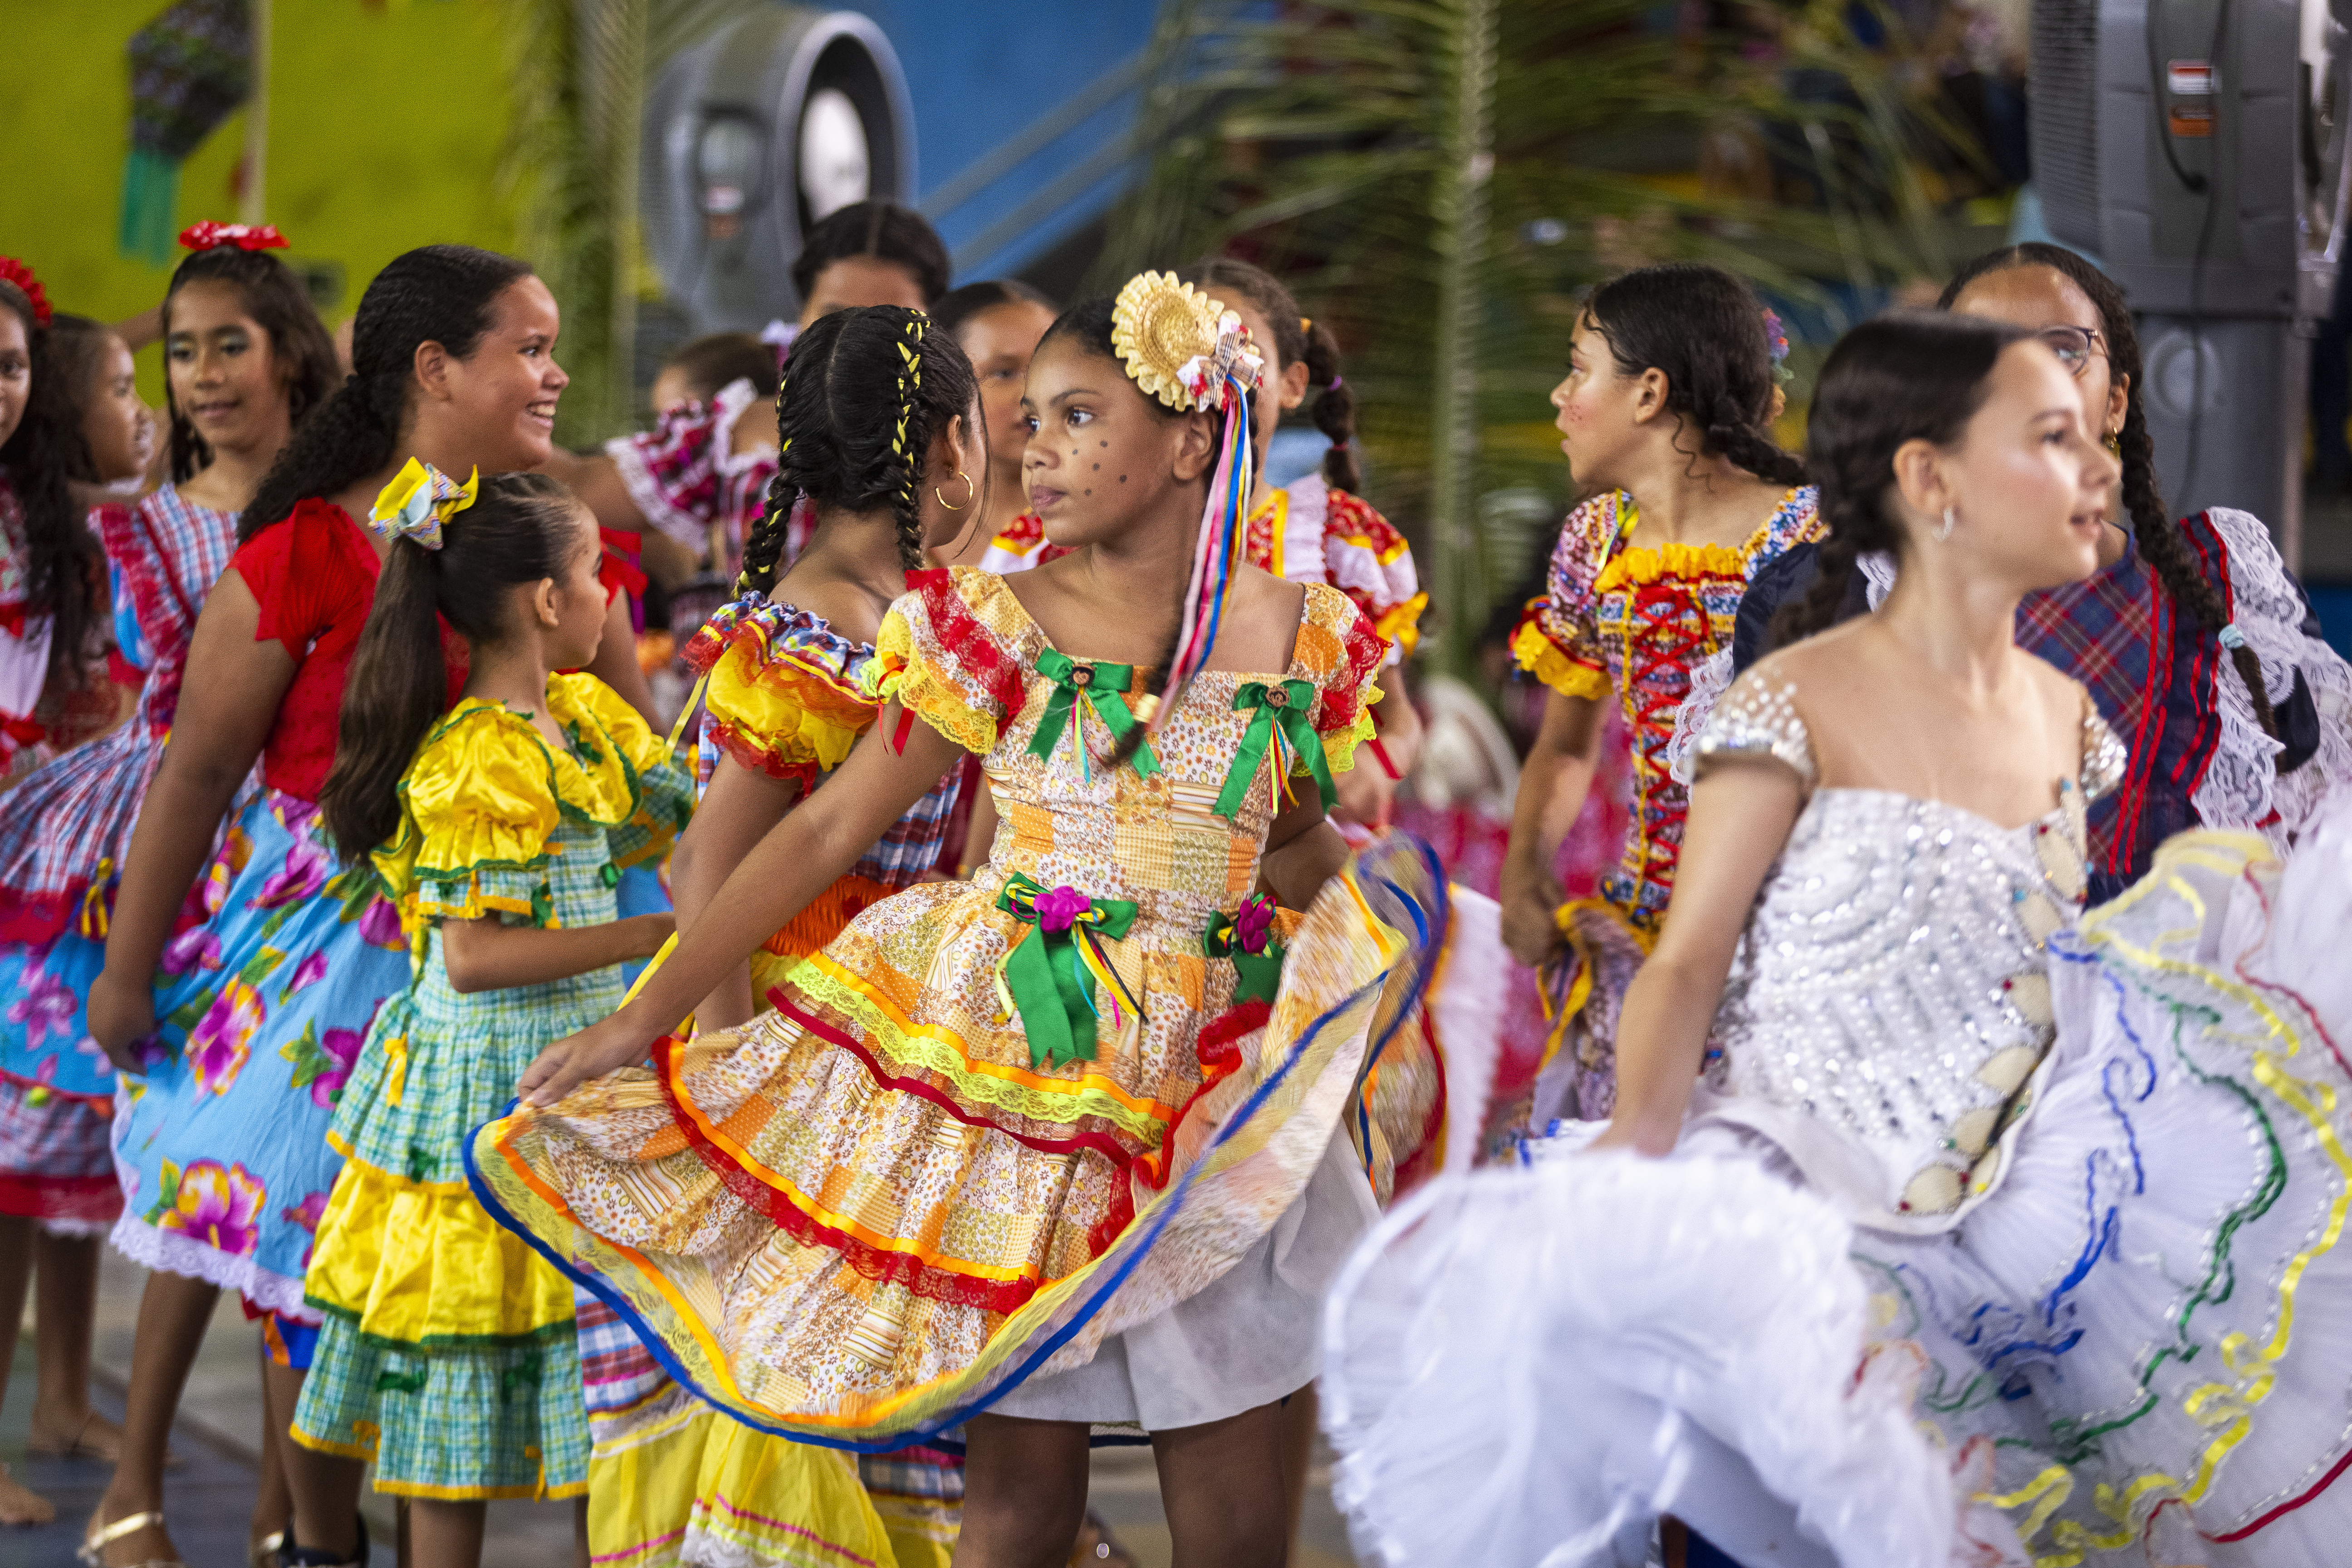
446,1355
994,1125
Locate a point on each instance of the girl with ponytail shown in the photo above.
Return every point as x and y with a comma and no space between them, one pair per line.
1667,412
242,965
500,828
245,358
1083,1103
2197,643
880,442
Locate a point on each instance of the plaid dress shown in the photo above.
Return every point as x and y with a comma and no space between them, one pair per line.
447,1351
62,844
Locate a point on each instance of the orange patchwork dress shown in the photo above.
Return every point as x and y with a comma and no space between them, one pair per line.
1056,1140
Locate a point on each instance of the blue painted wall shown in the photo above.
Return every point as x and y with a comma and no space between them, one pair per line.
1022,113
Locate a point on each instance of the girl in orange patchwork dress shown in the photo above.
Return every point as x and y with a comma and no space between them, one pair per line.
1055,1147
1669,398
672,1479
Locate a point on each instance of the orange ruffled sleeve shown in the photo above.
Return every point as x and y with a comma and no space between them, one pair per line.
946,655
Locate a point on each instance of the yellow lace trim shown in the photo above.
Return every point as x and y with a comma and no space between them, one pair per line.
1340,745
902,673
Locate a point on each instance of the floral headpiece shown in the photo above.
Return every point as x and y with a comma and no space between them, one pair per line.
15,271
419,500
1190,352
1179,344
210,236
1776,338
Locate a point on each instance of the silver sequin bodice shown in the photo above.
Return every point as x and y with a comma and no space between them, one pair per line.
1889,1003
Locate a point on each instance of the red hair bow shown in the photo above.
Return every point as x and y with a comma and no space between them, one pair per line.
210,236
15,271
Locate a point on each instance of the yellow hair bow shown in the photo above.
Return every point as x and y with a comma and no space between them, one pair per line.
420,499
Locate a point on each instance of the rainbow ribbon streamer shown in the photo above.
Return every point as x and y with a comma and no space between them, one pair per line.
1050,980
1217,551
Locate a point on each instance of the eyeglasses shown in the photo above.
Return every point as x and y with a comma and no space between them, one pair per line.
2074,346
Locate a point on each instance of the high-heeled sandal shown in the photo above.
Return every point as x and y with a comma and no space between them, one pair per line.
289,1555
92,1550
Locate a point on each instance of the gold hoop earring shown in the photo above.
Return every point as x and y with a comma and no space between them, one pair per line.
970,490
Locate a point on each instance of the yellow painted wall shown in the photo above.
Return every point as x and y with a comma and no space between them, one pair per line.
384,128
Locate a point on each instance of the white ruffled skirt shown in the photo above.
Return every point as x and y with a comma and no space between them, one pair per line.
2136,1350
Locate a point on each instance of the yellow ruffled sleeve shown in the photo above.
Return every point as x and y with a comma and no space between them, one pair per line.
476,810
1343,653
1558,640
620,774
781,690
939,657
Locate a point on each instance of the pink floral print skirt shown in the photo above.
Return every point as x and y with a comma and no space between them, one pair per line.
266,990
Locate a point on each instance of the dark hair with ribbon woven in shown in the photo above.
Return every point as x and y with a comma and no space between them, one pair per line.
866,392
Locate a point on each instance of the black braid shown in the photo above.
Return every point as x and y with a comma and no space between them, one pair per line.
1335,408
865,395
910,447
2154,530
1911,375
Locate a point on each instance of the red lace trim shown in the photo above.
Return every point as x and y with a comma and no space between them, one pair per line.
973,647
747,750
1362,651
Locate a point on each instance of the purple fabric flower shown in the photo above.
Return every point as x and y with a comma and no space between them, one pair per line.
48,1006
218,1205
1252,921
1058,907
309,971
308,1213
342,1047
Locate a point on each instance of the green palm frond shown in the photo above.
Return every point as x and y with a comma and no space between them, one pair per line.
1391,156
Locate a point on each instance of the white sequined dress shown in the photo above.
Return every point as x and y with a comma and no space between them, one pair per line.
1998,1233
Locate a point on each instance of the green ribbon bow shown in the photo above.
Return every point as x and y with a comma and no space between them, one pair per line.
1101,687
1259,966
1288,706
1048,977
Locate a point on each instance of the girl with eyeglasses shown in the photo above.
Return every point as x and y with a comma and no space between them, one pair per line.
2199,648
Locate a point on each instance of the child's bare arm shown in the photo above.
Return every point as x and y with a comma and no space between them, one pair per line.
484,955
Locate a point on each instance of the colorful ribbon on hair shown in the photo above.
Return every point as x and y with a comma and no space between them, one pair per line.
1049,978
419,500
1101,688
1245,938
1286,724
210,236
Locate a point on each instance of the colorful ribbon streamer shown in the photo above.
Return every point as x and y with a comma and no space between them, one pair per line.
1101,686
1050,980
1284,721
1245,937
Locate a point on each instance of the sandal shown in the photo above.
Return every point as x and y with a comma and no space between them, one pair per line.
92,1550
80,1448
263,1554
292,1556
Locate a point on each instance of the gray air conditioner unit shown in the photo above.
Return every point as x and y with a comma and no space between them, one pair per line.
754,134
2197,149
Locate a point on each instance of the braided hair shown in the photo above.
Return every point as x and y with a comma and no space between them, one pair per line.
1911,375
43,457
299,345
865,394
1704,329
439,293
2154,530
1297,341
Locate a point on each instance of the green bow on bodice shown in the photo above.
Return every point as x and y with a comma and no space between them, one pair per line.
1245,937
1050,978
1102,687
1285,724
